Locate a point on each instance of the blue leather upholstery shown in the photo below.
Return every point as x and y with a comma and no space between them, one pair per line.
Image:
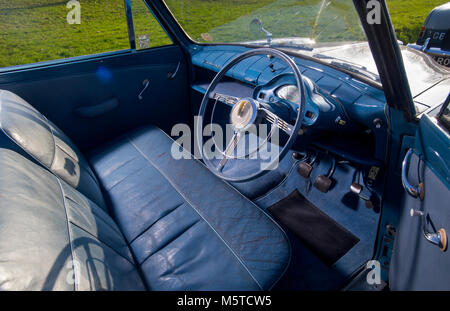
54,238
254,189
178,226
187,228
27,131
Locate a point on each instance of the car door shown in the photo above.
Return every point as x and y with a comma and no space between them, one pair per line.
421,259
96,69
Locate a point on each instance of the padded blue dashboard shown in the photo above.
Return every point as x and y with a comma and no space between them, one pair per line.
358,102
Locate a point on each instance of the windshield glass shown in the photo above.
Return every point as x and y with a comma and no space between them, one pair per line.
327,30
310,23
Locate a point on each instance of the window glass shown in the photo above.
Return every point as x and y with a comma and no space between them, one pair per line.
444,114
41,30
148,32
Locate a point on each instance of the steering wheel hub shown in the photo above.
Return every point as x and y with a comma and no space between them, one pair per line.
243,114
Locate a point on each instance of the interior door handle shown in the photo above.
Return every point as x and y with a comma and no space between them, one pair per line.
437,238
414,191
145,83
171,75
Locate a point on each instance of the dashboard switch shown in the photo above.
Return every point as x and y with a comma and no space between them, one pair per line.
378,123
309,114
340,121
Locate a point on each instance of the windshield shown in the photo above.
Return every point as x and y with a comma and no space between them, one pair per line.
327,30
307,23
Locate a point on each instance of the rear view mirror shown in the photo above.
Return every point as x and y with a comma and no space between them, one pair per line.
255,26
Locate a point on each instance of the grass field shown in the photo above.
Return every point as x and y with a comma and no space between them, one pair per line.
408,16
37,30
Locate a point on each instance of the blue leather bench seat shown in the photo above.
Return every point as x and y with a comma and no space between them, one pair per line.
54,238
158,223
183,223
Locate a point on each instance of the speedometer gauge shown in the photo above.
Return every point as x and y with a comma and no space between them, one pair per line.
289,92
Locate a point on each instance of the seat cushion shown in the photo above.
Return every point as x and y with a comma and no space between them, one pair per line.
188,229
54,238
258,187
28,132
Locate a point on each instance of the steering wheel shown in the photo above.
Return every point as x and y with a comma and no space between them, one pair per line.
246,115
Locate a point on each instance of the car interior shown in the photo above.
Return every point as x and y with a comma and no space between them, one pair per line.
89,183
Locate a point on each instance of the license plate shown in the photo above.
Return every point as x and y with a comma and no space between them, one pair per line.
442,60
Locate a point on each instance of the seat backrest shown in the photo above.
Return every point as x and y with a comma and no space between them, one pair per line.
28,132
54,238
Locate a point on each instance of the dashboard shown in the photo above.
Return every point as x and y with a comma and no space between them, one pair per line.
282,90
335,102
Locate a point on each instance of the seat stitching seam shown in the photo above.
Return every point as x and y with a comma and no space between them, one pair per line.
97,216
169,242
54,140
119,167
153,223
68,232
124,178
195,209
106,244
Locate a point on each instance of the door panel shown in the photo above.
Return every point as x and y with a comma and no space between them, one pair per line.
113,83
416,263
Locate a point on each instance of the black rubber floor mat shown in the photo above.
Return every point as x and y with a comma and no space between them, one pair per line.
327,239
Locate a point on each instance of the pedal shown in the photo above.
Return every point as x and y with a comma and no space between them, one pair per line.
373,202
356,188
369,204
323,183
298,156
365,195
305,169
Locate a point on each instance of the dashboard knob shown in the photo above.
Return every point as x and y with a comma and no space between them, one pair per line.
378,123
340,121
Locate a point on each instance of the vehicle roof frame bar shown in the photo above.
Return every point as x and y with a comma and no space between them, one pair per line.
387,55
130,25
